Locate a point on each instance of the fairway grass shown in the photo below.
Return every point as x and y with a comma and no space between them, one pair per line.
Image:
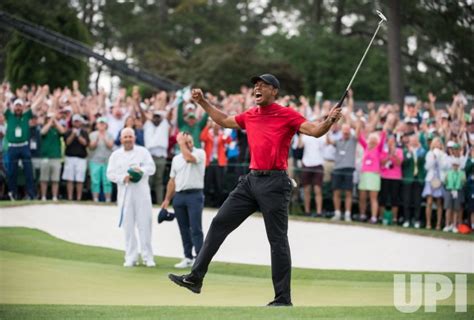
42,277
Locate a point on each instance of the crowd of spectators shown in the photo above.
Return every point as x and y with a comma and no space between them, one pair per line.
390,163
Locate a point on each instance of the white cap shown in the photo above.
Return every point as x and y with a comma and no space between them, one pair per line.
78,117
450,144
190,106
18,101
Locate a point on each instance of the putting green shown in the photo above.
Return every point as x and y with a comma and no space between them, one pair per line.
36,268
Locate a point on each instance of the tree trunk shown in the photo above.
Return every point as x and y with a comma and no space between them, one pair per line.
339,15
317,12
394,52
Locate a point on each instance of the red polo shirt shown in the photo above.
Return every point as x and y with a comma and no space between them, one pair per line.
269,133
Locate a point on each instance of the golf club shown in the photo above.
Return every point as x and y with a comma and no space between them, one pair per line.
382,20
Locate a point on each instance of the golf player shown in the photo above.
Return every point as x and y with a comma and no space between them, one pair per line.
186,184
129,167
267,188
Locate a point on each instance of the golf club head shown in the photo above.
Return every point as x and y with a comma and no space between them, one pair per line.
380,14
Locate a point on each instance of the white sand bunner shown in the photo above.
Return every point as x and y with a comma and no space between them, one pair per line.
313,245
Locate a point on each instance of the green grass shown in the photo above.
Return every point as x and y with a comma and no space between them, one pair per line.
420,232
48,312
42,277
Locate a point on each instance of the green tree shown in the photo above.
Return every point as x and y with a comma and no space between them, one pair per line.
30,62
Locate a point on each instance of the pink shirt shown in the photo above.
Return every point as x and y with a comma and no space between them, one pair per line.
371,157
391,170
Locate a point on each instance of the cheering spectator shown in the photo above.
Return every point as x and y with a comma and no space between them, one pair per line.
215,141
370,173
18,135
100,146
342,175
312,172
51,154
436,166
453,197
470,185
391,173
157,133
190,124
75,164
413,167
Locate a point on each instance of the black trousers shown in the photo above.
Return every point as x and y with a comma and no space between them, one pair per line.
412,199
270,195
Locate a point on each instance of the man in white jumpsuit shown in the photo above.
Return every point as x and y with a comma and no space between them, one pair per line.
137,207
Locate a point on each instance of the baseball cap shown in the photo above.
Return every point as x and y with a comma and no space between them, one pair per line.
450,144
77,117
191,115
268,79
102,120
18,101
165,215
190,106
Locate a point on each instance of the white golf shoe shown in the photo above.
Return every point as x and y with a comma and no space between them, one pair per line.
185,263
129,264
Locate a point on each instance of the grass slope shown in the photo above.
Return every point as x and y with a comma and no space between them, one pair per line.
42,277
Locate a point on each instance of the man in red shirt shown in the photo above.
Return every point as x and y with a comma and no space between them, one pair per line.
267,188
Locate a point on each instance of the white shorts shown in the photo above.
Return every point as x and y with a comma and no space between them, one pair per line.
75,169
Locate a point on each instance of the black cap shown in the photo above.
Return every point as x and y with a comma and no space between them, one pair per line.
268,79
164,215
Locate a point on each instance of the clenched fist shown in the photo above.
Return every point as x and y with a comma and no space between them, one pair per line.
197,95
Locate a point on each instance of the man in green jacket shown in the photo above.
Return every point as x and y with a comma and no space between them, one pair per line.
413,168
18,137
190,124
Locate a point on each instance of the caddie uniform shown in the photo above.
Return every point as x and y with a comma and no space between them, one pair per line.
136,201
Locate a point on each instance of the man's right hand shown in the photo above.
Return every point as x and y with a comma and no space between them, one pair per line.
197,95
126,180
165,204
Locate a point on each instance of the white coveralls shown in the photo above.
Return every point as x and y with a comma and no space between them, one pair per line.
138,207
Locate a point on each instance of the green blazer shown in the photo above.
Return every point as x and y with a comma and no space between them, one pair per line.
408,166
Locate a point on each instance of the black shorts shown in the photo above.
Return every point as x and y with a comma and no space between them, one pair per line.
389,194
312,176
342,179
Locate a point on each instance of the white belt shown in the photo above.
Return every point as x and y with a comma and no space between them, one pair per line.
21,144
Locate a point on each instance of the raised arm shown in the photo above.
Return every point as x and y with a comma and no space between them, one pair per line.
318,129
221,118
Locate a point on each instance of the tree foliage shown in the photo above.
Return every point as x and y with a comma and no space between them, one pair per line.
30,62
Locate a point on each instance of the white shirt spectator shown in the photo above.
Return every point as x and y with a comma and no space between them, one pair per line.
313,150
329,150
189,175
157,138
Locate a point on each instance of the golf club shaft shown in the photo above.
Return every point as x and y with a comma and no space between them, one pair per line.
339,104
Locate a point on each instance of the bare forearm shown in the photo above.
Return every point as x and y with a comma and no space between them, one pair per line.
218,116
322,128
170,190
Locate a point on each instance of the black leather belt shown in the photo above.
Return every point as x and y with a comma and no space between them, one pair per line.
190,191
260,173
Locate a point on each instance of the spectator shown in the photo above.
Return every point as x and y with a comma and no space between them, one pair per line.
436,166
312,172
136,202
189,123
17,136
157,135
131,122
215,141
453,197
370,174
51,154
342,175
391,174
470,185
35,146
186,184
75,165
100,147
413,167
